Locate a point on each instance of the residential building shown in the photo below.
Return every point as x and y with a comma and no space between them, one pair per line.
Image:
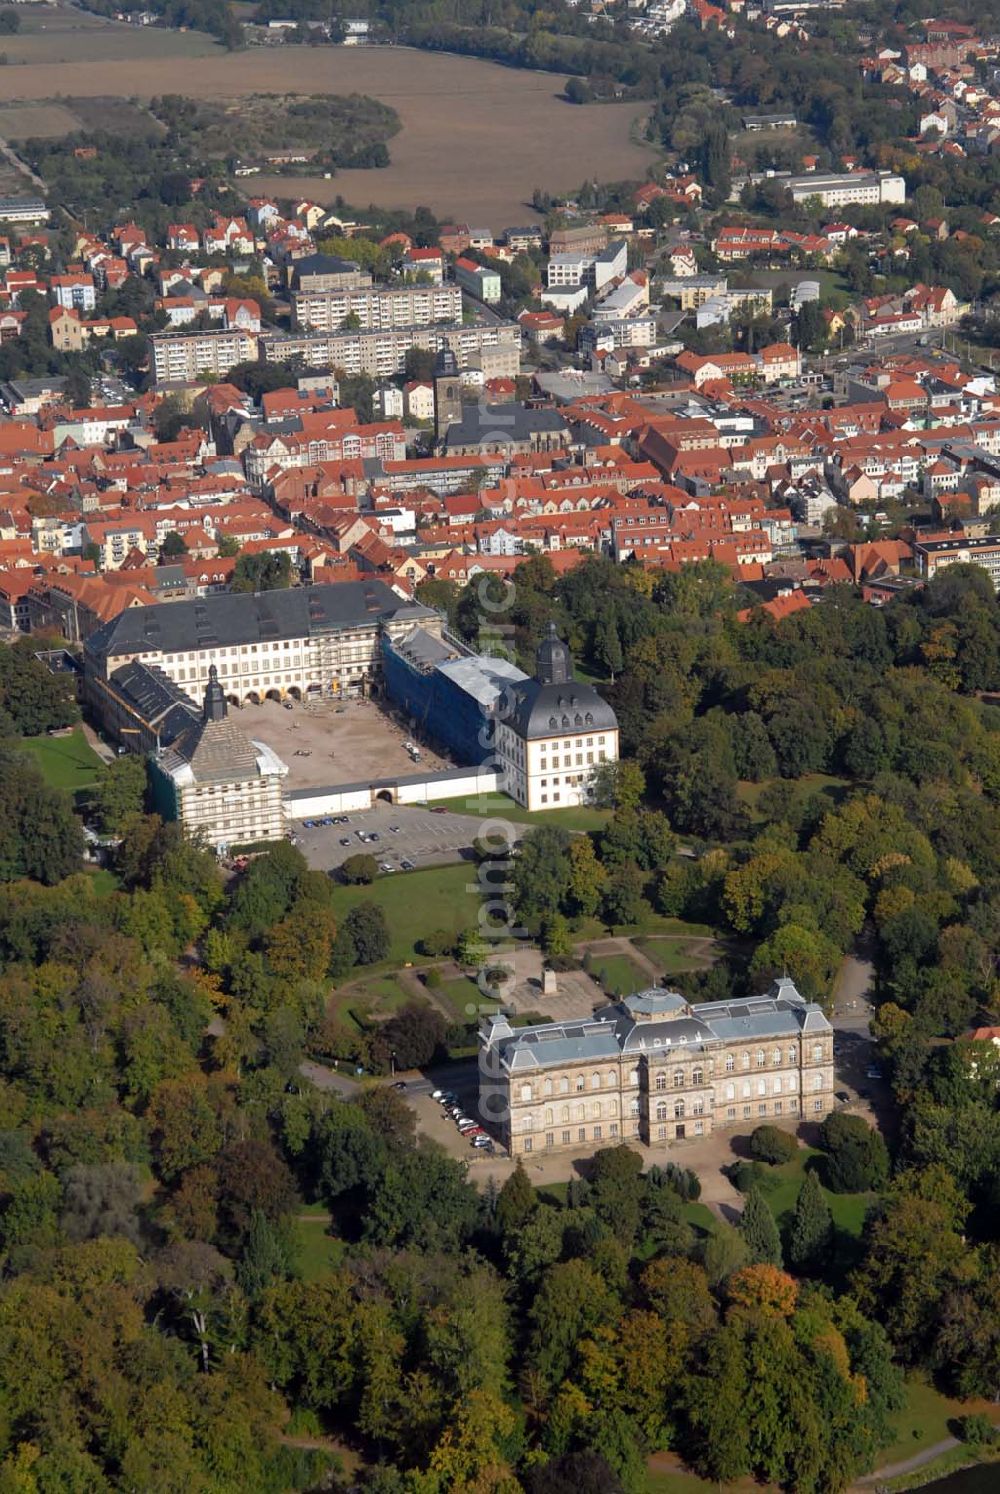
655,1069
479,280
377,308
182,357
383,354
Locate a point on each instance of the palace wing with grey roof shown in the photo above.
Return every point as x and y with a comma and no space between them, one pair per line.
235,618
655,1022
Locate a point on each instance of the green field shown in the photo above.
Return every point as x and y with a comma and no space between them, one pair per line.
781,1185
317,1251
67,762
672,955
502,808
415,903
811,783
619,975
924,1419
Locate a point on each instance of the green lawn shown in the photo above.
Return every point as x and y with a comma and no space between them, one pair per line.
502,808
104,881
318,1252
924,1420
672,955
619,975
811,783
782,1185
67,762
416,902
653,923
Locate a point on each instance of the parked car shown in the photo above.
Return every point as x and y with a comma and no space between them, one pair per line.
374,835
399,1084
308,824
326,821
394,829
386,866
438,809
873,1073
406,864
288,705
345,840
437,1094
843,1097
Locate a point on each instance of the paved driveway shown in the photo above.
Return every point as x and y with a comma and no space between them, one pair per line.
421,836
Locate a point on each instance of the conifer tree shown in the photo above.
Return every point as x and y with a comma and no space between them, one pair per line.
812,1226
760,1232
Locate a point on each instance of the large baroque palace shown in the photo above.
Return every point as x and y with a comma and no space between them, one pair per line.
654,1068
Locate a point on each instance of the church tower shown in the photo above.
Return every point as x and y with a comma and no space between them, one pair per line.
215,708
447,392
553,662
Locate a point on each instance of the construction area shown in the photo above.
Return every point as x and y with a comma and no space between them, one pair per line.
325,743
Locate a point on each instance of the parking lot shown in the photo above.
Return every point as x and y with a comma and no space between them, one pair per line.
424,837
330,742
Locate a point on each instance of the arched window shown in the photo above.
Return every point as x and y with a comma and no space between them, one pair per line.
595,1081
817,1081
698,1108
818,1053
548,1118
745,1060
609,1081
564,1085
730,1091
697,1077
633,1108
678,1078
730,1063
525,1092
547,1088
595,1110
745,1089
762,1086
661,1111
580,1112
612,1107
581,1082
761,1058
678,1110
791,1055
661,1081
776,1056
633,1076
564,1114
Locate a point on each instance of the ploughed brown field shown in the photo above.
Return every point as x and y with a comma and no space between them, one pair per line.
476,137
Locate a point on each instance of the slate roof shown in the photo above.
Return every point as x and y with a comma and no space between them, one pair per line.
163,705
535,710
486,424
227,618
658,1022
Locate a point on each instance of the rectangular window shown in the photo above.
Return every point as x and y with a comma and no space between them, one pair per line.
661,1132
778,1107
565,1138
613,1129
731,1113
527,1143
747,1110
597,1133
582,1134
761,1109
549,1138
817,1104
